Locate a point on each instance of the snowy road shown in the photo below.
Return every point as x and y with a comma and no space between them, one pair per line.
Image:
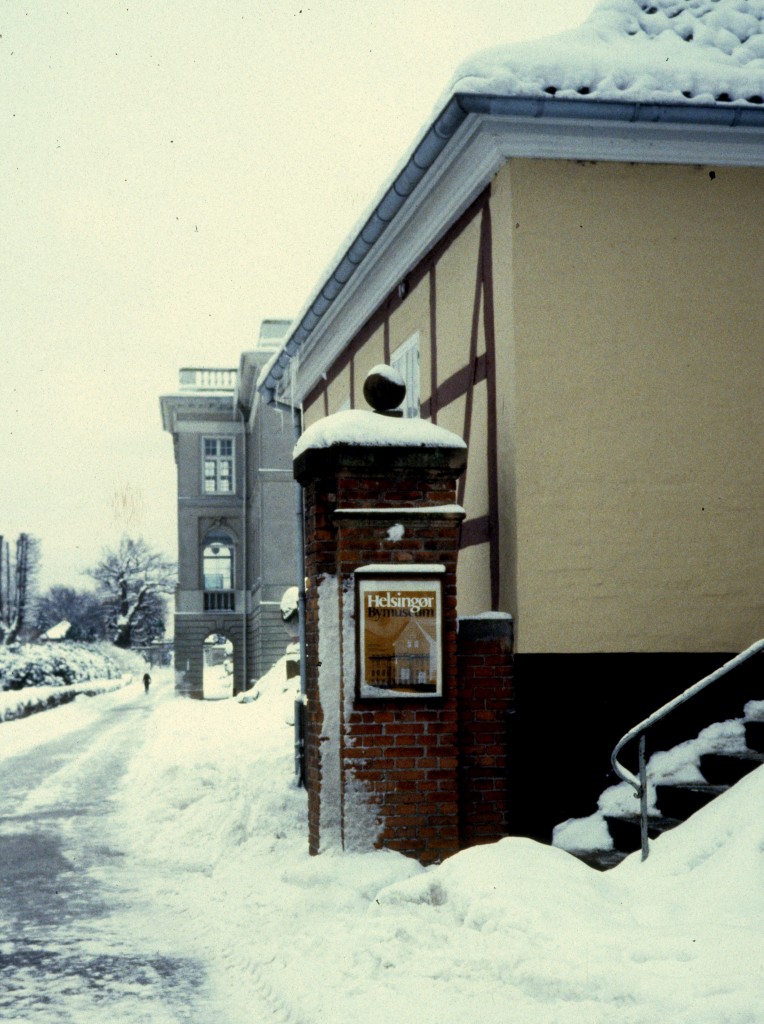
78,917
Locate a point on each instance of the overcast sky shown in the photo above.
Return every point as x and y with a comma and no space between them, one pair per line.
174,172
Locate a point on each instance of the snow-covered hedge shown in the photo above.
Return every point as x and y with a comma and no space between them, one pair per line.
20,703
63,664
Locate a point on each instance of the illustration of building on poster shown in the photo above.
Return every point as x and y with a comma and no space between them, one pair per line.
399,637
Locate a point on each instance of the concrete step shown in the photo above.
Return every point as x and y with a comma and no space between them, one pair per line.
602,860
683,799
754,735
727,769
626,832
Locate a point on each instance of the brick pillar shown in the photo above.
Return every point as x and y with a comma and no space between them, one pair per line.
380,772
486,703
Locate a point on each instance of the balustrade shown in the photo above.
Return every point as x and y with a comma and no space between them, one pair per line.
219,601
200,378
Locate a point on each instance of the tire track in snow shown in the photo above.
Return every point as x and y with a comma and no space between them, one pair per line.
253,977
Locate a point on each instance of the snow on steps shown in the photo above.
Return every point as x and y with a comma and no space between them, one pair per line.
681,781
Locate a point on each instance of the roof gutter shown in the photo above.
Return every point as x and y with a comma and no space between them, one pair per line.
436,139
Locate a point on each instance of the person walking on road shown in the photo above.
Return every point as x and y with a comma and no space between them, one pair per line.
146,682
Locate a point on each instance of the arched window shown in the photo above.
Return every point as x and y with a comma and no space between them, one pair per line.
217,561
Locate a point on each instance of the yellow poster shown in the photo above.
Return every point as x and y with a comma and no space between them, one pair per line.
399,637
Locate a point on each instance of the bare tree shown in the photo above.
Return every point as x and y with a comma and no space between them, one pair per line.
17,579
132,580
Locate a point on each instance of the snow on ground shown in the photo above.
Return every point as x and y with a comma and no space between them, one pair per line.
24,734
512,931
218,681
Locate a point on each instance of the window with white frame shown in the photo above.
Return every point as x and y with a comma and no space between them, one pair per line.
405,359
217,561
218,465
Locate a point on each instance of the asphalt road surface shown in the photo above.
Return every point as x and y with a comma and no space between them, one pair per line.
77,912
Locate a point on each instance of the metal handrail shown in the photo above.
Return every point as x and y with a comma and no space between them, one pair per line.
639,782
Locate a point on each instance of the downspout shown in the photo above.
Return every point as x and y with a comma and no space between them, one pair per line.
299,719
245,543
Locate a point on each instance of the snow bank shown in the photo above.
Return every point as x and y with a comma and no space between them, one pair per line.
28,665
21,703
511,931
36,678
214,772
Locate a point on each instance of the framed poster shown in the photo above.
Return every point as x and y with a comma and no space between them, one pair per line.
399,636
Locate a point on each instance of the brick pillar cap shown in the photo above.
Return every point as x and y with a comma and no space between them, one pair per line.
368,441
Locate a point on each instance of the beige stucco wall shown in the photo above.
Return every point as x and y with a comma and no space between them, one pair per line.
372,353
629,325
628,314
456,275
412,316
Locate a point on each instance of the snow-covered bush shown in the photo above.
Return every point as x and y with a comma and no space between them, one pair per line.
32,699
64,664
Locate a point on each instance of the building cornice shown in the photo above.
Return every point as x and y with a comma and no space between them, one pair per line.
187,406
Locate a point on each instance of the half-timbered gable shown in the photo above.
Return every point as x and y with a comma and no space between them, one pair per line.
444,305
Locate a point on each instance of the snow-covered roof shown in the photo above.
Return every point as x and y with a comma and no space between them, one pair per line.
289,602
59,631
648,51
631,65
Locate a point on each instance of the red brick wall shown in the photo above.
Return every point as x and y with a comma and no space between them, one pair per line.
405,756
486,702
420,776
